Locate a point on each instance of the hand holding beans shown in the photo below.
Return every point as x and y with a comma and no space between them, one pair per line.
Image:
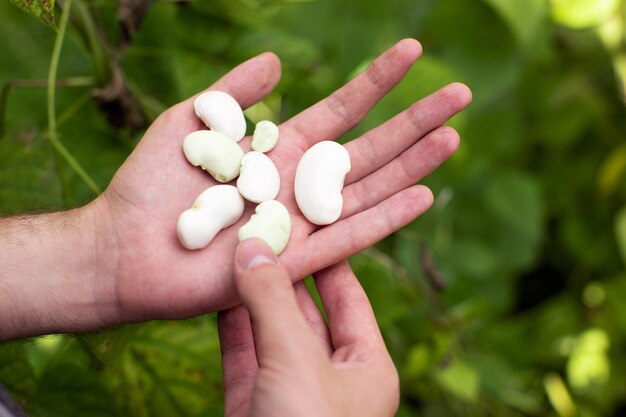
149,275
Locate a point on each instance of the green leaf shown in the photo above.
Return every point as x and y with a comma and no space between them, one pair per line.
42,10
108,344
615,306
589,364
16,372
620,231
28,179
170,368
419,361
381,285
524,17
612,171
559,396
68,387
460,379
580,14
515,206
487,60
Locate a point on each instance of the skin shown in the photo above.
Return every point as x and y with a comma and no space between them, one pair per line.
280,359
118,259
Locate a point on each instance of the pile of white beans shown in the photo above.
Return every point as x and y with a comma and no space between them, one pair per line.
318,181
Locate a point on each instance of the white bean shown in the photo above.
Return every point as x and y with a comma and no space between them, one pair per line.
259,180
221,113
319,181
215,209
215,153
271,223
265,136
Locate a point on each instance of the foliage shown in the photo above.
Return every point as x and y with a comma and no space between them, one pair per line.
43,10
506,298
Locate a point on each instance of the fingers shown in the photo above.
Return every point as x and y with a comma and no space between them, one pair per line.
248,83
381,145
357,338
252,80
280,331
350,316
341,111
313,315
239,363
411,166
344,238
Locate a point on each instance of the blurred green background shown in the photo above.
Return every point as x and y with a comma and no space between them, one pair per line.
507,298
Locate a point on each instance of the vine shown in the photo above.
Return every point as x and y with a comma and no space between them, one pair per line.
52,121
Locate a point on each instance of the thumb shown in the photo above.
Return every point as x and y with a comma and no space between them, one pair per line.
280,330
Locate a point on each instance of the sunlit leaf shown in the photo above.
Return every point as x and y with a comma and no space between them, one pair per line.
460,379
620,69
589,363
42,348
579,14
612,32
419,361
613,170
559,396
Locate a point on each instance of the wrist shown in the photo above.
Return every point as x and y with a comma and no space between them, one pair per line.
53,274
104,260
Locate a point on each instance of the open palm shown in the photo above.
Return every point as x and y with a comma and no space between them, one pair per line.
153,276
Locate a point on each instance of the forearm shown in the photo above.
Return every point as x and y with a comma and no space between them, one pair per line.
51,279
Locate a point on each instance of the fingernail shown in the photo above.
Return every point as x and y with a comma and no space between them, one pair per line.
254,252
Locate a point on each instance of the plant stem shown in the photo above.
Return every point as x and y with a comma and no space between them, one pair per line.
52,122
95,45
22,83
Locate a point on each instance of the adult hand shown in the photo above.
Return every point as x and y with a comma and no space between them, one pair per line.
280,360
149,275
118,259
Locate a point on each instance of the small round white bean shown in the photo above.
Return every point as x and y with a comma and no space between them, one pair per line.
265,136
